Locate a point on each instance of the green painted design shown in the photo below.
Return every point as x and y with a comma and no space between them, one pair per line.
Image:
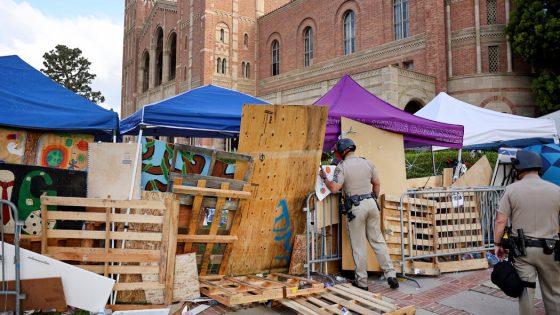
69,142
28,203
81,158
55,157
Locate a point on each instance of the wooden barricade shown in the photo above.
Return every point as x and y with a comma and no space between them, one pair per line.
232,291
341,296
147,251
211,218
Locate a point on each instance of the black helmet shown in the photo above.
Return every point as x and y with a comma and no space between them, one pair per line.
343,145
527,160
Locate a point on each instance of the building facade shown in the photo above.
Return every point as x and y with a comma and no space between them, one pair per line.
294,51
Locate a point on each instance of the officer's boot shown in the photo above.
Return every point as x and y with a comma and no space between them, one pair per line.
393,282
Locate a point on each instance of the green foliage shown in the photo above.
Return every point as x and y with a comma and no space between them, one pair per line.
534,32
419,163
68,67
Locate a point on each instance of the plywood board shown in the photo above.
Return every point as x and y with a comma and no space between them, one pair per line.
12,145
82,289
386,151
185,284
36,297
110,171
286,144
447,177
327,211
480,174
299,256
66,151
424,182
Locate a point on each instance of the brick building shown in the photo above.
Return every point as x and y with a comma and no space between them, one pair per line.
292,52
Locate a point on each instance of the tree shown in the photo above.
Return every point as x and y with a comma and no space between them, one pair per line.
68,67
534,32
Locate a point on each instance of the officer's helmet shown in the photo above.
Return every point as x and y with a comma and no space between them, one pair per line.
527,160
342,145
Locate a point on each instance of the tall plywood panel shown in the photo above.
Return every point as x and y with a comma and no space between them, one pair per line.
286,143
386,151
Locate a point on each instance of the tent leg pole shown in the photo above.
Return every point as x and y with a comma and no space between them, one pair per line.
433,161
130,195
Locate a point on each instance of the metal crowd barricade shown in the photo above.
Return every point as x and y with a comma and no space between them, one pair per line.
17,230
323,233
447,226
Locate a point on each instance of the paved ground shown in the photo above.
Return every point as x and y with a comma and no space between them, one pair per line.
456,293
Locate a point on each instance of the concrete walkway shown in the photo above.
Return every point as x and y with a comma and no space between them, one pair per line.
455,293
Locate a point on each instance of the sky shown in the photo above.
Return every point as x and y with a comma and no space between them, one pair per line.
32,27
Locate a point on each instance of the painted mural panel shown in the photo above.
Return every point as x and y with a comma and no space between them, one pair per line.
65,151
12,145
24,185
157,157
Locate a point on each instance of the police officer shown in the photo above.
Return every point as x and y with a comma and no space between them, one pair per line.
359,180
533,205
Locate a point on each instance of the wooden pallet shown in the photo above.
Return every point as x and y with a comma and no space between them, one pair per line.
147,251
196,201
232,291
344,296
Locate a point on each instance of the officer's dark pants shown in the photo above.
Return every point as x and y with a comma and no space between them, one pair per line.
548,271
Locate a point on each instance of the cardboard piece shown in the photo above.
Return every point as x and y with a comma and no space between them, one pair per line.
480,174
424,182
82,289
110,171
321,190
43,294
386,151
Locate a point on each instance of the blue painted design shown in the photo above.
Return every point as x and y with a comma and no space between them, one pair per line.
283,230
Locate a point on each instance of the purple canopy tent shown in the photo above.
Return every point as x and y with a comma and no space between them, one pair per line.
348,99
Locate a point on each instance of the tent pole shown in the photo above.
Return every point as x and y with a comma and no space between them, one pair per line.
130,195
433,161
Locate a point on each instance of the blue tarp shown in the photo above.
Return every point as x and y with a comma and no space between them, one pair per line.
29,99
207,112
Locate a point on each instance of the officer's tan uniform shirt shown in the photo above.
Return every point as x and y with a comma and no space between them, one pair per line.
533,205
355,175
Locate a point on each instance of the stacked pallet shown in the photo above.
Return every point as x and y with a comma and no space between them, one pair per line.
342,298
437,228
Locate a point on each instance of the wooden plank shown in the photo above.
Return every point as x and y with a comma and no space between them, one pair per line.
363,297
408,310
130,286
122,269
134,307
211,181
99,254
447,177
102,203
101,217
423,182
36,297
100,235
44,227
207,238
376,298
299,255
185,282
299,307
211,192
463,265
347,303
330,307
213,230
278,137
171,236
195,213
480,174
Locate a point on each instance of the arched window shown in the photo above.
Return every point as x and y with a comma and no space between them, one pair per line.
400,12
246,40
159,57
308,46
222,35
146,72
243,69
349,32
172,56
275,57
247,70
224,65
219,66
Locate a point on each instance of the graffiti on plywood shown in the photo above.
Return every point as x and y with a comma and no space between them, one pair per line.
12,145
24,185
157,157
283,231
66,151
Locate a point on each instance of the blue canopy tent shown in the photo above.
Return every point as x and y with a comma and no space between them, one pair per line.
206,112
29,99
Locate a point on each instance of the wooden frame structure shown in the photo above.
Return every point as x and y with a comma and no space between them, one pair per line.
158,260
227,206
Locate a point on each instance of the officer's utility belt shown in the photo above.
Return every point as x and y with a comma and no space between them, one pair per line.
354,201
548,245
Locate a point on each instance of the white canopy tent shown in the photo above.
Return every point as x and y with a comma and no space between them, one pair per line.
486,128
555,116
